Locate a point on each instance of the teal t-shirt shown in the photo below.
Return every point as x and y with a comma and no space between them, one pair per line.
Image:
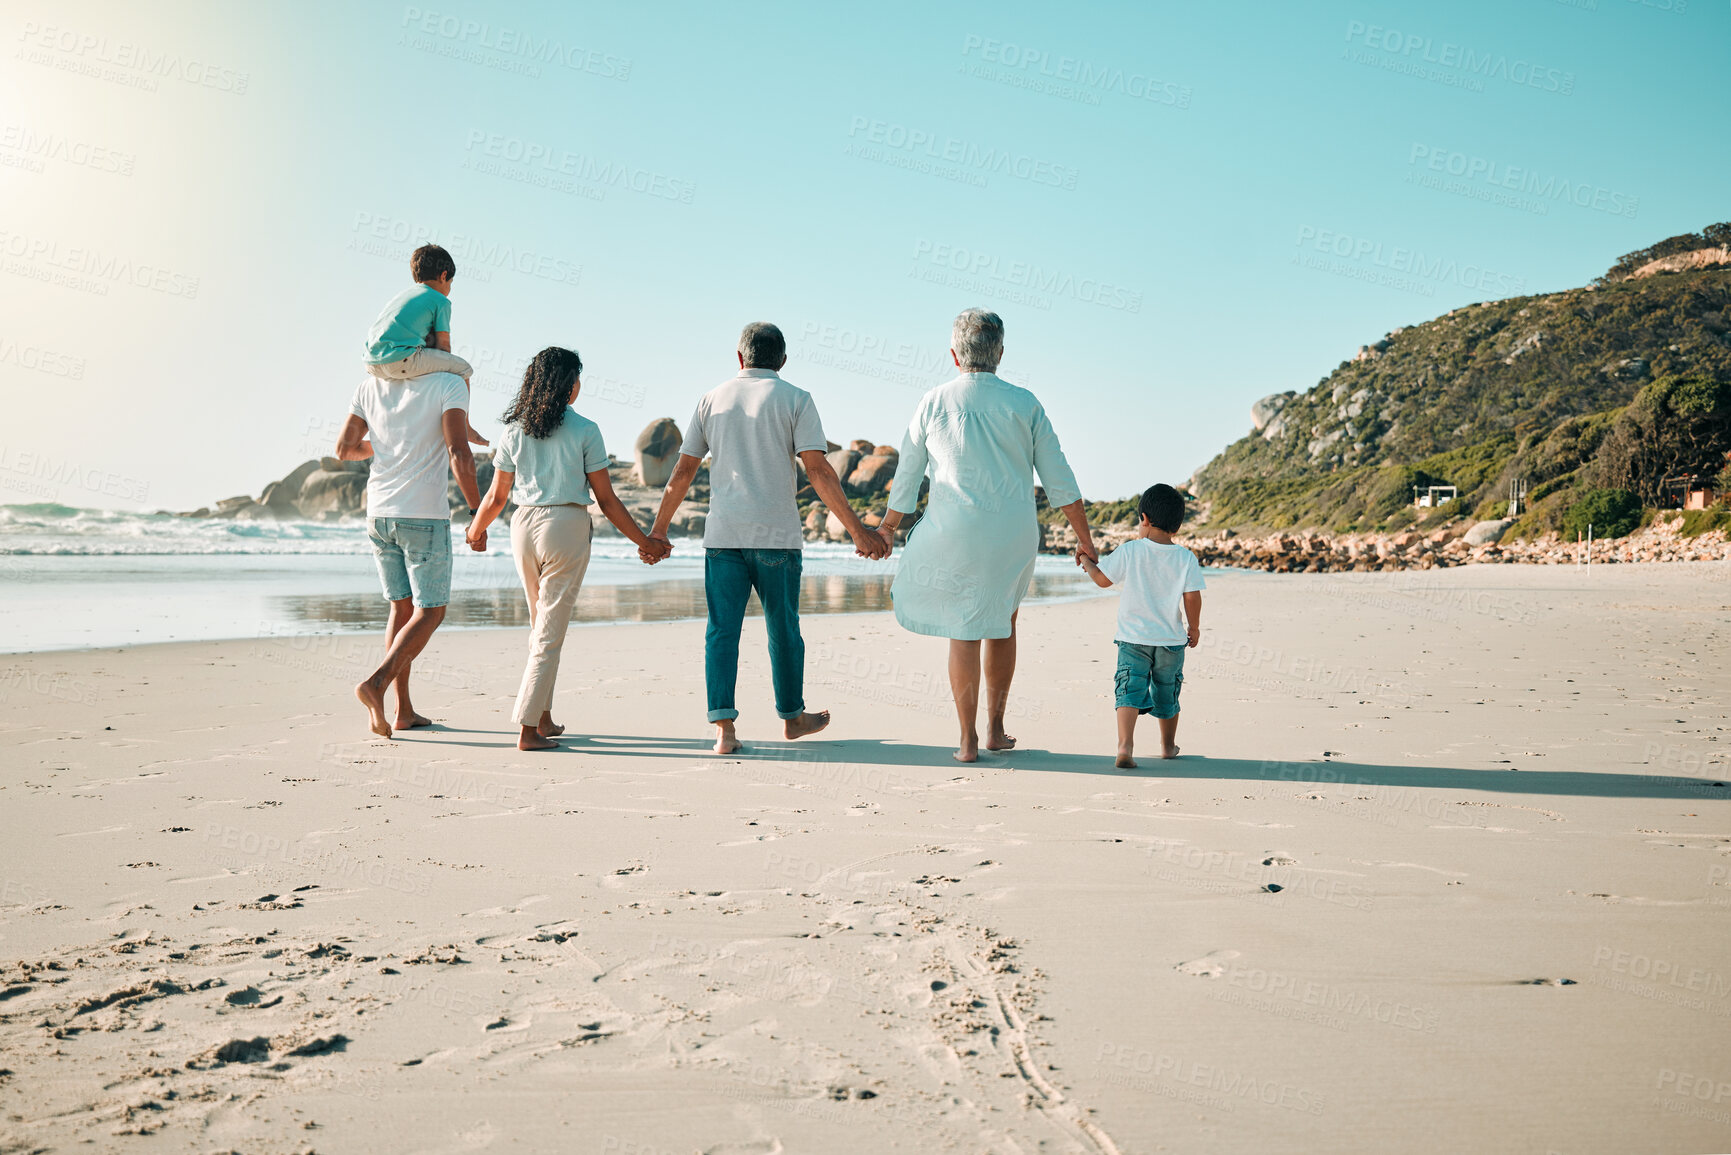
552,470
403,326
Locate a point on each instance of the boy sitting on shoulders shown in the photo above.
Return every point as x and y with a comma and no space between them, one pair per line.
413,334
1159,615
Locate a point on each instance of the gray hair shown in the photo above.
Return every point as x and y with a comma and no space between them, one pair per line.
762,346
978,340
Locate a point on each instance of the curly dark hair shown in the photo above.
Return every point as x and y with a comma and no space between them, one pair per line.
540,404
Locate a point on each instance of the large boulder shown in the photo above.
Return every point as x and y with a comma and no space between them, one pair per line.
657,449
335,465
1263,411
815,519
689,518
280,496
1488,532
340,492
861,446
843,462
873,474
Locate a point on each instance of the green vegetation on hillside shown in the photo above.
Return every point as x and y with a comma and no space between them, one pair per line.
1614,386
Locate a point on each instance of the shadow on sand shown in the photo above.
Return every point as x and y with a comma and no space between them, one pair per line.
879,752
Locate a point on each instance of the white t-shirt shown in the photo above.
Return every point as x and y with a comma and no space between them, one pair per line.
405,421
751,427
1151,580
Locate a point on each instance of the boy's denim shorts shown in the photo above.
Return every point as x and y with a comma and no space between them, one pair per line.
1149,678
414,557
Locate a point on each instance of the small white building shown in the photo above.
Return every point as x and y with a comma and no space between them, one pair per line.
1431,496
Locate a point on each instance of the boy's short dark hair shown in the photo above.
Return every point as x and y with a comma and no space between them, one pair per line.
1163,506
430,262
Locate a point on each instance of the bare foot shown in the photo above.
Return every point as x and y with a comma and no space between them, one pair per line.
967,752
549,729
412,720
1125,762
1169,752
726,742
806,723
374,701
530,740
1000,741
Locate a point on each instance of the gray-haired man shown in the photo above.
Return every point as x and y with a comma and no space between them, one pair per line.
751,428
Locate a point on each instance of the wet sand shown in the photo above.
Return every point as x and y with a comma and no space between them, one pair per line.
1447,866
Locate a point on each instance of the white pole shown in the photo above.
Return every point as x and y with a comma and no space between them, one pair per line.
1589,545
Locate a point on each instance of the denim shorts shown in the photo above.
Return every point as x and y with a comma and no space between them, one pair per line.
1149,678
414,557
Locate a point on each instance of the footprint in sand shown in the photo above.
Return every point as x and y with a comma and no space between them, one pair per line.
1209,966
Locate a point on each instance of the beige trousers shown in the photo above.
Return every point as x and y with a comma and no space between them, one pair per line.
423,360
551,545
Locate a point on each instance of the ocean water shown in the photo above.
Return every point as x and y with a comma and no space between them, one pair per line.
78,578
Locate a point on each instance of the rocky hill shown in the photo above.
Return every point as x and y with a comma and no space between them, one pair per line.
1519,388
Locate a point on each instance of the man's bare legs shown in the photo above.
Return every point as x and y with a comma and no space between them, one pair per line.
407,639
1169,737
1000,662
1127,716
726,741
965,685
407,717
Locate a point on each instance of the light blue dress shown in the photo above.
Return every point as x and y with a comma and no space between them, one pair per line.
969,561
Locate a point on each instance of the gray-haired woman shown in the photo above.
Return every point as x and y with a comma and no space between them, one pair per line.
970,560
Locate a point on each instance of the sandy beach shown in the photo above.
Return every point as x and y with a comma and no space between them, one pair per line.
1446,866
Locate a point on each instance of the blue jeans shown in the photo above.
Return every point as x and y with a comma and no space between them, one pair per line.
414,557
729,576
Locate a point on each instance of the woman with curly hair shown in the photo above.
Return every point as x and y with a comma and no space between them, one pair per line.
551,461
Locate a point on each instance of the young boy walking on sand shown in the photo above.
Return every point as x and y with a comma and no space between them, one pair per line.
1159,615
412,336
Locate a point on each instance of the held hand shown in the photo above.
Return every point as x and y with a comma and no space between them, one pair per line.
477,541
653,550
889,539
868,544
1086,550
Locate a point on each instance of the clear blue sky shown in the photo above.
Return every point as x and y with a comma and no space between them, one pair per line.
1177,208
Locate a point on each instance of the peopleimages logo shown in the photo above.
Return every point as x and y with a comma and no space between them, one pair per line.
582,167
1449,55
86,53
1482,178
1411,263
970,157
507,41
1086,77
1017,281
